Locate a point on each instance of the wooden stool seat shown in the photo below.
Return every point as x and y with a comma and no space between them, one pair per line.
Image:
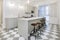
34,30
33,24
38,23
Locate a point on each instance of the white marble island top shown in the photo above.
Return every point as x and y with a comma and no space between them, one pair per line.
33,18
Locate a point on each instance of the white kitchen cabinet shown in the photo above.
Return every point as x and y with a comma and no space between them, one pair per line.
11,23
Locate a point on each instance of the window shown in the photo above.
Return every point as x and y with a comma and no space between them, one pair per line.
44,12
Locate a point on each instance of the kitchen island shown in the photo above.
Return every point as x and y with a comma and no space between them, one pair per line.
25,27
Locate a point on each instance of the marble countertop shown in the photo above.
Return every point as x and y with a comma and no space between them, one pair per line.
33,18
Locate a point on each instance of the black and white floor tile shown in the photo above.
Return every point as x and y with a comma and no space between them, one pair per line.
52,32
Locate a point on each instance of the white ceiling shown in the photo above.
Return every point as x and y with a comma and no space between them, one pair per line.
30,2
25,1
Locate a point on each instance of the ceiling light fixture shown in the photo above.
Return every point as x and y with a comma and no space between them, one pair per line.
28,1
11,4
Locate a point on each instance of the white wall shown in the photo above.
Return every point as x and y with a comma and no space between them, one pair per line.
10,10
18,9
46,2
14,8
52,11
53,15
27,8
58,5
1,12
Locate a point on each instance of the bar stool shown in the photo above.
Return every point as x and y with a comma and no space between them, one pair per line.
34,30
43,22
39,26
44,19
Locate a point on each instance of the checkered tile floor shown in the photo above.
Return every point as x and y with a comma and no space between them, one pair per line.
52,32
